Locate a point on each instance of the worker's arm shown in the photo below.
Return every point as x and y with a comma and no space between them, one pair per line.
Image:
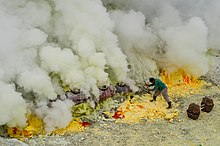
146,90
152,89
155,87
150,85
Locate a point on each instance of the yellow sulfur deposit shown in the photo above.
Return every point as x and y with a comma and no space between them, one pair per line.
74,126
140,108
131,111
36,127
181,84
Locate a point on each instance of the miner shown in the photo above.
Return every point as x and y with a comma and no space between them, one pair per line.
159,88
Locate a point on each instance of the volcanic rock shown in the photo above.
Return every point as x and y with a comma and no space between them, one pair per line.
207,104
193,111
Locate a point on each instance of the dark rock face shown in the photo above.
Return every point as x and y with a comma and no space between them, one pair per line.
193,111
76,97
3,132
106,92
122,88
207,104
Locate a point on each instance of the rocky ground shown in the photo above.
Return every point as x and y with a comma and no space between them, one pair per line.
214,70
182,131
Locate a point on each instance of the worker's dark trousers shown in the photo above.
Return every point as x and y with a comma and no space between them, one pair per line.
164,93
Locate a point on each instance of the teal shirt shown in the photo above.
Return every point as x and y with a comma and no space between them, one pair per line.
159,85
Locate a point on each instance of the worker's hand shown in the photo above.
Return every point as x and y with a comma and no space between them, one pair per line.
148,91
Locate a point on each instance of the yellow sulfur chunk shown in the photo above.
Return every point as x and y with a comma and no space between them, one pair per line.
74,126
171,115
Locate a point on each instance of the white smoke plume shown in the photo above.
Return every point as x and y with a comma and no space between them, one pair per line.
12,106
37,81
72,40
137,41
64,63
170,37
186,47
86,44
18,53
88,21
57,116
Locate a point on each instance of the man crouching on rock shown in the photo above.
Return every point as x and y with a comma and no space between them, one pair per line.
159,87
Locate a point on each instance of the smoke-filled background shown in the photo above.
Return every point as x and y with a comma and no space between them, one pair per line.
46,45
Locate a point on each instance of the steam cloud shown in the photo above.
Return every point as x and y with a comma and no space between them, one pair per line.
86,44
171,40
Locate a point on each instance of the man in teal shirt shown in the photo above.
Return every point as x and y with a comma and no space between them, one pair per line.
159,87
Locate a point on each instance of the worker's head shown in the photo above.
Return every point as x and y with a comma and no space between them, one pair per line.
152,80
